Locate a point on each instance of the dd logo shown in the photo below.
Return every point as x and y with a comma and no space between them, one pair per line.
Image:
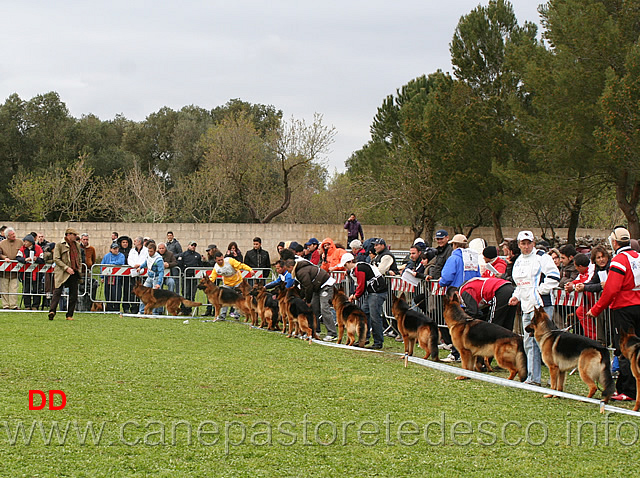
43,399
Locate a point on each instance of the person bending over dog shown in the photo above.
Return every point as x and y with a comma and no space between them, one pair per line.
229,269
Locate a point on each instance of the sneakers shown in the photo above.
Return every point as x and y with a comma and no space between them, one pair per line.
450,358
219,319
234,315
445,346
399,338
374,347
330,338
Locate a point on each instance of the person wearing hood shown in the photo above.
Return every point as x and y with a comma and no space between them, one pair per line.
331,255
30,253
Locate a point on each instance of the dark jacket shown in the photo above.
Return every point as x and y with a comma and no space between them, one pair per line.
310,277
257,259
443,253
175,247
354,228
594,285
189,258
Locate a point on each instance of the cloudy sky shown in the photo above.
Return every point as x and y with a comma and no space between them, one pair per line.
337,58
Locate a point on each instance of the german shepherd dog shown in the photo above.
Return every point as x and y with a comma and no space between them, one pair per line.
350,315
221,296
153,298
296,314
266,307
562,351
630,347
414,325
476,338
250,303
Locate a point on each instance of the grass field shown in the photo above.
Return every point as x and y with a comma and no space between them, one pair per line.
220,399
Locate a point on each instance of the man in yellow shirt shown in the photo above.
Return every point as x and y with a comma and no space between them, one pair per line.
229,269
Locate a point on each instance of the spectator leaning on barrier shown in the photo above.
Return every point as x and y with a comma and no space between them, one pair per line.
9,248
621,294
443,252
30,253
187,260
568,272
330,255
535,276
384,260
170,267
113,283
601,259
312,254
354,229
173,245
359,254
67,256
257,258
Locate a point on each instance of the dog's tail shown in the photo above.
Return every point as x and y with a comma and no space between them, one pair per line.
606,380
190,303
521,360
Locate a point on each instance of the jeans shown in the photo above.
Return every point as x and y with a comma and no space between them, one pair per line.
372,307
321,302
534,359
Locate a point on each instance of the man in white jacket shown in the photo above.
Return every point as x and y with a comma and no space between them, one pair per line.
535,275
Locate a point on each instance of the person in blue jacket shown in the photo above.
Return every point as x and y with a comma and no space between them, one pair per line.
462,265
112,283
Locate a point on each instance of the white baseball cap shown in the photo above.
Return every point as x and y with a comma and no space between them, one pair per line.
526,235
345,258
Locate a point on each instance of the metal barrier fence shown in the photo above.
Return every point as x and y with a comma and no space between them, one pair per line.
115,284
569,307
37,284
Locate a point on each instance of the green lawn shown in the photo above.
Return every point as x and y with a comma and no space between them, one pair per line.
259,404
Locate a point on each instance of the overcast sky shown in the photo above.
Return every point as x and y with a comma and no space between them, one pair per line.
337,58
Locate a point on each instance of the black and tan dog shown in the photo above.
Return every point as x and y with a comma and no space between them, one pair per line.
224,296
476,338
351,316
266,307
153,298
297,316
415,326
562,351
630,347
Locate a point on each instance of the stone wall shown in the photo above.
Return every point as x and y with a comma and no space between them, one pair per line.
398,237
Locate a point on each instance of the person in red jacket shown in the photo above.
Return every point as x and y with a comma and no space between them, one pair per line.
487,298
496,266
621,294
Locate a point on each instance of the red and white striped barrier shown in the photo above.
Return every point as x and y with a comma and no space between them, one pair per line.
122,271
571,299
339,276
399,285
16,266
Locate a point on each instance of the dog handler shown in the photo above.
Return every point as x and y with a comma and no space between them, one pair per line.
621,294
229,269
535,275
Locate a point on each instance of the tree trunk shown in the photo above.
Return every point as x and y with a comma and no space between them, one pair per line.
574,217
629,206
497,227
